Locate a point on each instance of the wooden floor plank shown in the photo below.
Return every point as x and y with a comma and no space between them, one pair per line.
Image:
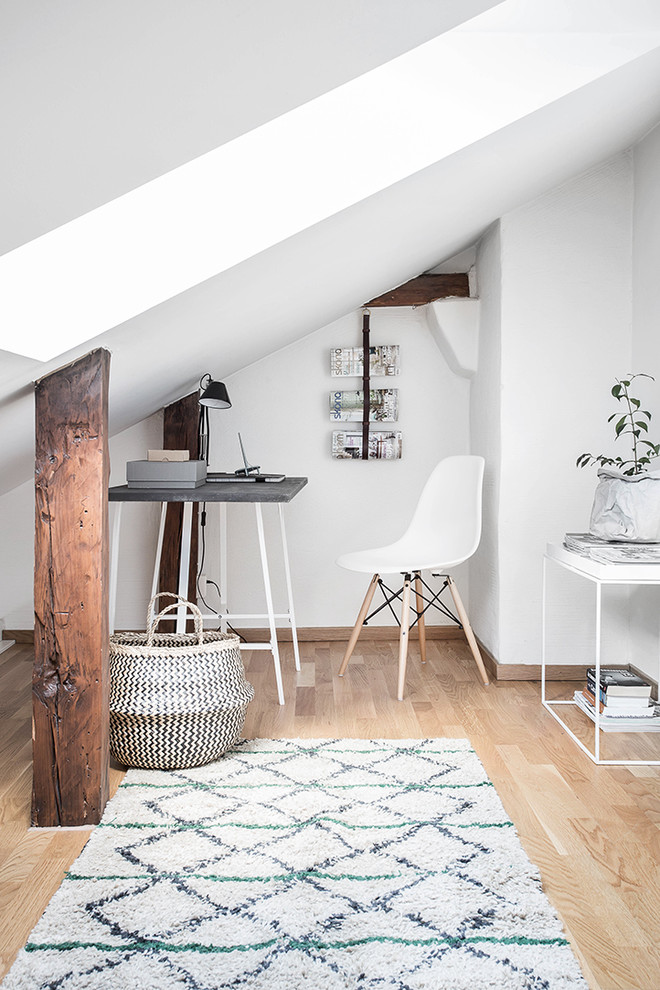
593,832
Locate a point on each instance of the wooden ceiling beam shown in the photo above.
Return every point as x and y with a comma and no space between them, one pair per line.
424,289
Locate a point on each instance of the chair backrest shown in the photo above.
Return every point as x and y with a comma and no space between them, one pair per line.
448,514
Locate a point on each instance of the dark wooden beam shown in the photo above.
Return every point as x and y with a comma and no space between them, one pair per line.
70,684
424,289
180,432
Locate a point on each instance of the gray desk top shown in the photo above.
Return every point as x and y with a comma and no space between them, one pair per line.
225,491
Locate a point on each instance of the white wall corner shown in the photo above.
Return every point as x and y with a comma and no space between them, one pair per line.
454,325
473,282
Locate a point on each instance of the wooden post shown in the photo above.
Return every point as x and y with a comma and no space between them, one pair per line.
70,684
180,432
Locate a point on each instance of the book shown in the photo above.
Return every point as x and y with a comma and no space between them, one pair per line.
621,707
168,455
632,702
630,723
619,682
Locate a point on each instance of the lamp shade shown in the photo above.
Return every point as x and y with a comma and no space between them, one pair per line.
215,396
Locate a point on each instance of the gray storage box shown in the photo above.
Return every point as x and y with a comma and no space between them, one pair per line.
165,474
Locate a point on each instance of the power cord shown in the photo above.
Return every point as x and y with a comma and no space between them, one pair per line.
200,570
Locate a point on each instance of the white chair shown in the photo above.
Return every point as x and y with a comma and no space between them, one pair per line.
444,531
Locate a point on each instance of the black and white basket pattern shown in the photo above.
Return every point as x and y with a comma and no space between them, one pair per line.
176,699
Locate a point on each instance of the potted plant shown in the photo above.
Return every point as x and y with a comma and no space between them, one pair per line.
627,500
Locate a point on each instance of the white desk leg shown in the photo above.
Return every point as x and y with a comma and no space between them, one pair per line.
184,564
543,630
114,563
159,554
269,604
289,590
597,704
224,600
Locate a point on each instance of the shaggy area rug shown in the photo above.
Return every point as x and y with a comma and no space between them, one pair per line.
316,864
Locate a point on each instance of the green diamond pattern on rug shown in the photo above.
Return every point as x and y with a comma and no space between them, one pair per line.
316,864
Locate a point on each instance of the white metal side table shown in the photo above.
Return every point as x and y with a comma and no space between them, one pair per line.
601,575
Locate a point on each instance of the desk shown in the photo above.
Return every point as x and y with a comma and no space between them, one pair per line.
258,493
602,575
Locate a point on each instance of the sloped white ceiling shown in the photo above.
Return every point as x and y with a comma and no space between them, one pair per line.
98,97
253,192
329,269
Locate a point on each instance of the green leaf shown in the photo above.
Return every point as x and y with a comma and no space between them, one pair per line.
616,391
635,402
645,412
642,424
620,425
610,418
625,382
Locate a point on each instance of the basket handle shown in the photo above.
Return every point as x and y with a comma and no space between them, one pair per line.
197,615
161,594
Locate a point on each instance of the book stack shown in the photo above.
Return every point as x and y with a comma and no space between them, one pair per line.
624,701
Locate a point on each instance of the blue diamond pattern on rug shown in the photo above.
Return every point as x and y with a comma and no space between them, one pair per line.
317,864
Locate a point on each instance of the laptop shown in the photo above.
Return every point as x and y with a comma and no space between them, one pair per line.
248,473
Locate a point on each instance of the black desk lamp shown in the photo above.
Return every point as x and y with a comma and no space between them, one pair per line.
214,395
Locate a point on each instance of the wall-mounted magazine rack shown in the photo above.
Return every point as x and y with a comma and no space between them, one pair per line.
366,406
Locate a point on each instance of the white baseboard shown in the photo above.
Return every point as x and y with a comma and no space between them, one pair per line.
5,644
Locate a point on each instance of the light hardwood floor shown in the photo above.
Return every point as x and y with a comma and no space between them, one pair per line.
594,832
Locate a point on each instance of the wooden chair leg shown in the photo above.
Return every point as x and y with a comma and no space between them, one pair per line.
419,604
359,622
403,636
467,628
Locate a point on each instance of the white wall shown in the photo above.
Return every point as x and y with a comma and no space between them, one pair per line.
281,408
645,614
560,280
17,556
486,430
139,524
139,529
646,258
566,333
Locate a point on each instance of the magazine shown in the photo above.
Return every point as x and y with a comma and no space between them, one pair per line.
347,361
612,551
349,406
618,723
382,446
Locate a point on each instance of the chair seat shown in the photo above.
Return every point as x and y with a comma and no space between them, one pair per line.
398,558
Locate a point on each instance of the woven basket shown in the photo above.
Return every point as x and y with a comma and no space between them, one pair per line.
176,699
